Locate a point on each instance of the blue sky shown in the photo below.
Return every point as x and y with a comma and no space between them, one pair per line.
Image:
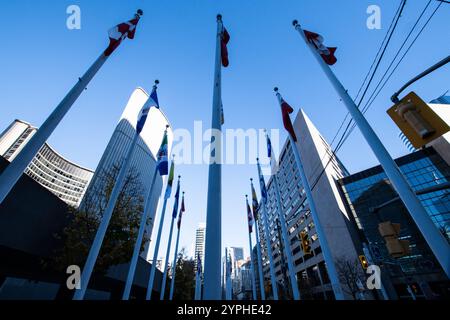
41,59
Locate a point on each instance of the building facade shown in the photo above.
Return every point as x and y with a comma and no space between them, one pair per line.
143,161
371,199
64,178
323,170
200,244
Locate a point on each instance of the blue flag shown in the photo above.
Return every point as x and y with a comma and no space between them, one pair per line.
262,185
269,147
152,101
175,204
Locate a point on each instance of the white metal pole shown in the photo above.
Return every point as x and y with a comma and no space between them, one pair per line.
140,237
198,286
286,241
174,266
166,263
430,232
14,171
96,245
260,268
213,238
252,268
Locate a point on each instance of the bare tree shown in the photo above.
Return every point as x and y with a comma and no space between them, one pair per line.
122,232
350,274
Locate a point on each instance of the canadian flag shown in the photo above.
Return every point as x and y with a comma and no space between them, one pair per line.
327,53
119,32
286,110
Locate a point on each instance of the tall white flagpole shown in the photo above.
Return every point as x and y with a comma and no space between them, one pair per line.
213,238
157,244
174,265
331,268
435,239
166,262
273,278
260,268
14,171
137,245
252,268
96,245
198,281
287,250
140,237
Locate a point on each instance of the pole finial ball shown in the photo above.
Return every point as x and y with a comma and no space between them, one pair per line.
219,17
251,179
275,89
156,81
167,126
257,159
140,12
295,23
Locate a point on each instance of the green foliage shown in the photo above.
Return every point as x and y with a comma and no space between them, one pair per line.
185,277
122,232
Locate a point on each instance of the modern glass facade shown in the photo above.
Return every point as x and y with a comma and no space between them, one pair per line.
372,200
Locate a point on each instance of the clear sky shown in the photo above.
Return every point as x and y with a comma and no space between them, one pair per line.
41,59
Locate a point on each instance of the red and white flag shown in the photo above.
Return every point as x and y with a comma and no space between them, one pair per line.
327,53
120,32
286,110
224,50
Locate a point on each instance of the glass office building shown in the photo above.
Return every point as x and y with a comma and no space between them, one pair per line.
372,200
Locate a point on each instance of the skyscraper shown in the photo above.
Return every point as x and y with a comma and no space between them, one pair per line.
200,243
62,177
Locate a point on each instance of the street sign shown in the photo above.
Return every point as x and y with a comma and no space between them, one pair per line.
418,122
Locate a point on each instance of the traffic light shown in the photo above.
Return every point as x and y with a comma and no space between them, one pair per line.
306,244
418,122
390,232
364,262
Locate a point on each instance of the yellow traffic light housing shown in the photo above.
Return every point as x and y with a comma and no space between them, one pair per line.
390,232
418,122
364,262
305,243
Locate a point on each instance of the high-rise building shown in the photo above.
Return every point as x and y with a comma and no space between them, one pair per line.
371,199
62,177
200,244
143,161
322,169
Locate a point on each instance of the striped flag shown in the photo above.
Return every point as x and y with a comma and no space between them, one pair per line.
182,210
163,162
175,205
170,181
122,31
255,204
250,218
327,53
152,101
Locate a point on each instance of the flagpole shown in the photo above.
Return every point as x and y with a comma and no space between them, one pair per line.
252,271
166,262
228,292
213,238
260,268
269,245
14,171
435,239
198,288
172,282
288,252
137,246
100,235
156,250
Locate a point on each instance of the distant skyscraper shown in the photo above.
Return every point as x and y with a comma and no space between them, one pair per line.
62,177
200,244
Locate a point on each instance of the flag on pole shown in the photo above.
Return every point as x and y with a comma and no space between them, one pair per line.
182,210
286,110
271,155
152,101
250,218
175,205
170,181
327,53
163,162
262,185
225,38
255,205
122,31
